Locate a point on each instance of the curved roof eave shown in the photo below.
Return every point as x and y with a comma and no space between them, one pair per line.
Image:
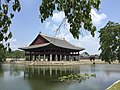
34,46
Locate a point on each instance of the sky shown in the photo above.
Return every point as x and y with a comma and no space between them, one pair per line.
26,25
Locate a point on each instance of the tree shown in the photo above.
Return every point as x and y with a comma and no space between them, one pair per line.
2,55
15,54
77,13
110,42
87,53
7,9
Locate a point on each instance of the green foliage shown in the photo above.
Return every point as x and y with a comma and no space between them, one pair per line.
7,9
110,42
15,54
2,55
77,12
74,77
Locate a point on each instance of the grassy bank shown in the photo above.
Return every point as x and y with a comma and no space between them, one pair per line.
115,86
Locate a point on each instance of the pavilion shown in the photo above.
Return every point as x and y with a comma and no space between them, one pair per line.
47,48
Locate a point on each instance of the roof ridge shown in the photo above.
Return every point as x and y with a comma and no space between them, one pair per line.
52,37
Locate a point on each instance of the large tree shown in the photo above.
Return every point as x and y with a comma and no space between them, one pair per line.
2,54
110,42
77,13
7,9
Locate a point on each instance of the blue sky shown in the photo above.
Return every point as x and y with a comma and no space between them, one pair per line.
26,25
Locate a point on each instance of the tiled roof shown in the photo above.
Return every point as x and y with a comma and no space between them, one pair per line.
35,46
61,43
55,41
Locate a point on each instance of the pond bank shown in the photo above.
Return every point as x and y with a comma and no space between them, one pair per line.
114,86
36,63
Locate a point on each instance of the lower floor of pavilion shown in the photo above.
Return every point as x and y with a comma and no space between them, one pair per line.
52,57
52,54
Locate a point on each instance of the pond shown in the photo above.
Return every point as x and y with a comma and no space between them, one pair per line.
20,77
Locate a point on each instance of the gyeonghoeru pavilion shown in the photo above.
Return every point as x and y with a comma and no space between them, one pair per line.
47,48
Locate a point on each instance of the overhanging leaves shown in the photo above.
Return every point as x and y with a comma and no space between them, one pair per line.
7,9
77,13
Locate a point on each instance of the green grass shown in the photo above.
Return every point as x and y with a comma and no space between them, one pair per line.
115,86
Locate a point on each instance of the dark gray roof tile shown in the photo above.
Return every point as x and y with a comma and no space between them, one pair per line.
34,46
55,41
61,43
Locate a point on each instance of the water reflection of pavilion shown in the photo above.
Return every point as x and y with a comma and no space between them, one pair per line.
50,71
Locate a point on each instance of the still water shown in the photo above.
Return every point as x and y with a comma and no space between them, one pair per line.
20,77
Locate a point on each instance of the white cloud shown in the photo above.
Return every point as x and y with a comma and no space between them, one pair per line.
58,17
96,17
12,40
47,25
91,44
14,45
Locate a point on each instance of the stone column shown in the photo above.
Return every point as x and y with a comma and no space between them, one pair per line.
50,57
60,57
44,57
72,58
33,57
56,57
65,58
78,57
69,58
30,57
